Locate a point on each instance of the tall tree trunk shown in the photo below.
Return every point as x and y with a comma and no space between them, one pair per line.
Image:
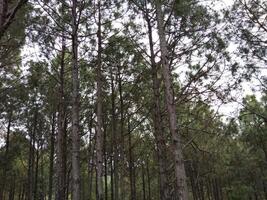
20,192
5,168
36,178
264,186
12,189
90,157
182,193
208,190
106,164
143,182
52,151
148,180
61,161
157,119
99,114
76,191
215,189
131,164
264,148
121,175
21,197
193,181
111,179
42,191
201,189
68,180
31,160
91,151
114,142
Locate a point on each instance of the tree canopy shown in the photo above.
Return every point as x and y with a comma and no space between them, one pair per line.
127,100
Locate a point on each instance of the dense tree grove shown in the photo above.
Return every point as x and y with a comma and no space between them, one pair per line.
125,99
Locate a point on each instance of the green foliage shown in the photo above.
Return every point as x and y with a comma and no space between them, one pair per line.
224,159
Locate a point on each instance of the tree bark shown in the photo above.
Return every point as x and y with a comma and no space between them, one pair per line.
106,163
131,164
99,114
148,180
157,119
31,160
61,157
91,150
68,179
76,191
122,153
36,179
143,182
264,188
114,142
5,168
52,151
12,190
91,161
193,181
182,193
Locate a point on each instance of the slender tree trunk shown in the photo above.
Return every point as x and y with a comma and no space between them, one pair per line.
99,127
21,197
31,160
76,190
90,159
68,183
157,120
207,189
61,161
265,152
148,180
182,193
131,164
12,190
202,193
8,134
36,179
264,184
52,151
111,179
193,182
106,164
256,196
91,163
143,182
91,179
122,183
5,168
42,191
114,142
20,192
215,189
211,189
65,160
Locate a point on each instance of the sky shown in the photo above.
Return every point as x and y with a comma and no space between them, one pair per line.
232,109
